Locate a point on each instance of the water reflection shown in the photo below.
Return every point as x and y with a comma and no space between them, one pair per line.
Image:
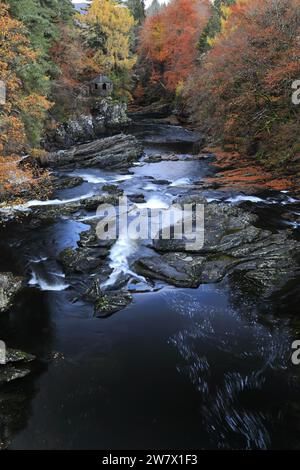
234,362
28,327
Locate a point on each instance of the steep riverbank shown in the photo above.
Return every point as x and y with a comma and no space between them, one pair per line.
205,356
241,174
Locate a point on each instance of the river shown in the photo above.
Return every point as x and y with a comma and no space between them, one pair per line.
205,368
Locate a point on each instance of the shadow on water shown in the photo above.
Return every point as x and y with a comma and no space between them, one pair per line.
26,327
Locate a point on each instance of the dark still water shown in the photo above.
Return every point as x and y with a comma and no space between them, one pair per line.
202,368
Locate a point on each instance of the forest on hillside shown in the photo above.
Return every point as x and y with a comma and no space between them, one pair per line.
226,67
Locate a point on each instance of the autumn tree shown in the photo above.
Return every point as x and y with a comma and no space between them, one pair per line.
169,40
137,8
41,19
75,68
241,93
219,10
106,30
22,106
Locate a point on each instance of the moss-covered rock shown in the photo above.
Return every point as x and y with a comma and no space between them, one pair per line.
10,286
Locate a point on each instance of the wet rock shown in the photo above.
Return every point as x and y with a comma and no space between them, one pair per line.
89,239
105,116
116,152
92,203
11,215
153,159
82,260
269,263
10,286
136,286
111,302
15,365
66,182
49,213
162,182
8,374
161,158
178,269
232,244
107,303
136,198
14,356
113,189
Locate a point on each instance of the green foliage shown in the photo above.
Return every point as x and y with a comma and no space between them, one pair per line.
213,26
137,8
107,30
41,19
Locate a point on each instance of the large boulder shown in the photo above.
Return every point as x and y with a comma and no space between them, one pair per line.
65,182
178,269
14,365
106,303
232,245
74,131
105,116
82,260
115,152
108,114
10,286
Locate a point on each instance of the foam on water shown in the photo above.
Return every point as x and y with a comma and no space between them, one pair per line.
48,202
122,178
119,256
212,199
39,260
154,202
89,217
52,284
290,200
150,187
241,198
294,225
180,182
94,179
89,178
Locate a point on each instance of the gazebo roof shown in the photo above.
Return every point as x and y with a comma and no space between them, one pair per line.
101,79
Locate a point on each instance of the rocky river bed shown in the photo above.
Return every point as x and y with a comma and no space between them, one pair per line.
145,344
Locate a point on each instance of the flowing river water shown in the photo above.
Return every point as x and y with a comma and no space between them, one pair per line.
179,368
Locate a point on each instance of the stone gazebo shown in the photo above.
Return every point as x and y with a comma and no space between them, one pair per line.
101,86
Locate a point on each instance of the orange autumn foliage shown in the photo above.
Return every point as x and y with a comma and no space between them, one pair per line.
169,39
15,55
241,92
